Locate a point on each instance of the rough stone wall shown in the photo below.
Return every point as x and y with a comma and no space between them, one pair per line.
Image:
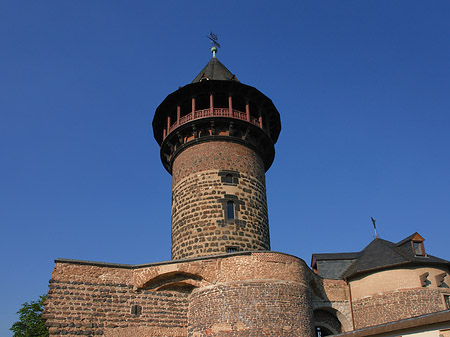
252,308
91,300
269,289
333,296
215,155
392,306
199,200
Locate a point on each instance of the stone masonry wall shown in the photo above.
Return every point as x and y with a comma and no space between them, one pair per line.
200,194
333,296
215,155
252,308
392,306
90,299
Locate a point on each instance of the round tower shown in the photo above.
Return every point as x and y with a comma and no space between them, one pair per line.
217,139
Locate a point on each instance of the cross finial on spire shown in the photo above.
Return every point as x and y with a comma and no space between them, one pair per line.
374,227
215,44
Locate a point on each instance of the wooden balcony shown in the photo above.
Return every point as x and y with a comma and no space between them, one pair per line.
213,112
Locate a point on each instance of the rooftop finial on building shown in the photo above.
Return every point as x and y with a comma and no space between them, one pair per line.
374,227
215,44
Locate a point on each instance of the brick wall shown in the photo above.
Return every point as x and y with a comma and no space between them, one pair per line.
392,306
251,308
200,194
217,155
333,296
88,298
82,302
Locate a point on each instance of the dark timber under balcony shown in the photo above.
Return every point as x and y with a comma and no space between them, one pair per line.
210,129
216,99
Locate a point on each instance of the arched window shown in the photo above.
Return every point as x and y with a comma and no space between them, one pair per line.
326,323
230,210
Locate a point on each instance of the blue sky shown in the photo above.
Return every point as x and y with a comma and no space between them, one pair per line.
362,88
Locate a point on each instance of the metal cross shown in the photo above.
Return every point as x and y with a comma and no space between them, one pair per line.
213,38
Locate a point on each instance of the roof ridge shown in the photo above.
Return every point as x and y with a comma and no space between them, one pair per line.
408,238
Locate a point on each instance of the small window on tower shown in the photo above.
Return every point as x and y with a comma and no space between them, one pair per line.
230,210
229,177
232,249
136,310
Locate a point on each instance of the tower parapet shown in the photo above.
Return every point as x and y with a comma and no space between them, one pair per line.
217,139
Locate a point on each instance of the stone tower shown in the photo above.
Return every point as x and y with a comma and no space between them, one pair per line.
217,139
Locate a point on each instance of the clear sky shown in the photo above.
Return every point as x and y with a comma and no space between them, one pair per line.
363,89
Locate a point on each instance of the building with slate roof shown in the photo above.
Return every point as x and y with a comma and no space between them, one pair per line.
217,138
388,281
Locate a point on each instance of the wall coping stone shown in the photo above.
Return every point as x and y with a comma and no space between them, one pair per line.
413,322
138,266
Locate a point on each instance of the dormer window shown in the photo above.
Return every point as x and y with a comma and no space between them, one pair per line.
413,245
418,248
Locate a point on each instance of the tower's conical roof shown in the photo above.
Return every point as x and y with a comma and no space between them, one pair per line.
216,71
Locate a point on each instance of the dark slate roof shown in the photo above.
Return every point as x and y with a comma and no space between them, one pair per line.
336,256
332,269
215,70
379,254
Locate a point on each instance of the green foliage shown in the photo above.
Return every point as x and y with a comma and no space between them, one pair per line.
31,323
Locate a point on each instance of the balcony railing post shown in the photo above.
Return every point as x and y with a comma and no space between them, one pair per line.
221,112
211,104
260,118
247,111
193,108
230,105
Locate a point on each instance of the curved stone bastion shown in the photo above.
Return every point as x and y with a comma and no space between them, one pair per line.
239,294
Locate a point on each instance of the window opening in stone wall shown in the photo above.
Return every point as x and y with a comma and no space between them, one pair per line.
440,280
424,282
418,248
136,310
230,210
232,249
229,178
447,301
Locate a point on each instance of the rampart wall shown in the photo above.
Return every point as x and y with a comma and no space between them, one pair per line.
396,305
244,294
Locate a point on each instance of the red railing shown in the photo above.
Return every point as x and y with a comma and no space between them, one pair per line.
218,112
